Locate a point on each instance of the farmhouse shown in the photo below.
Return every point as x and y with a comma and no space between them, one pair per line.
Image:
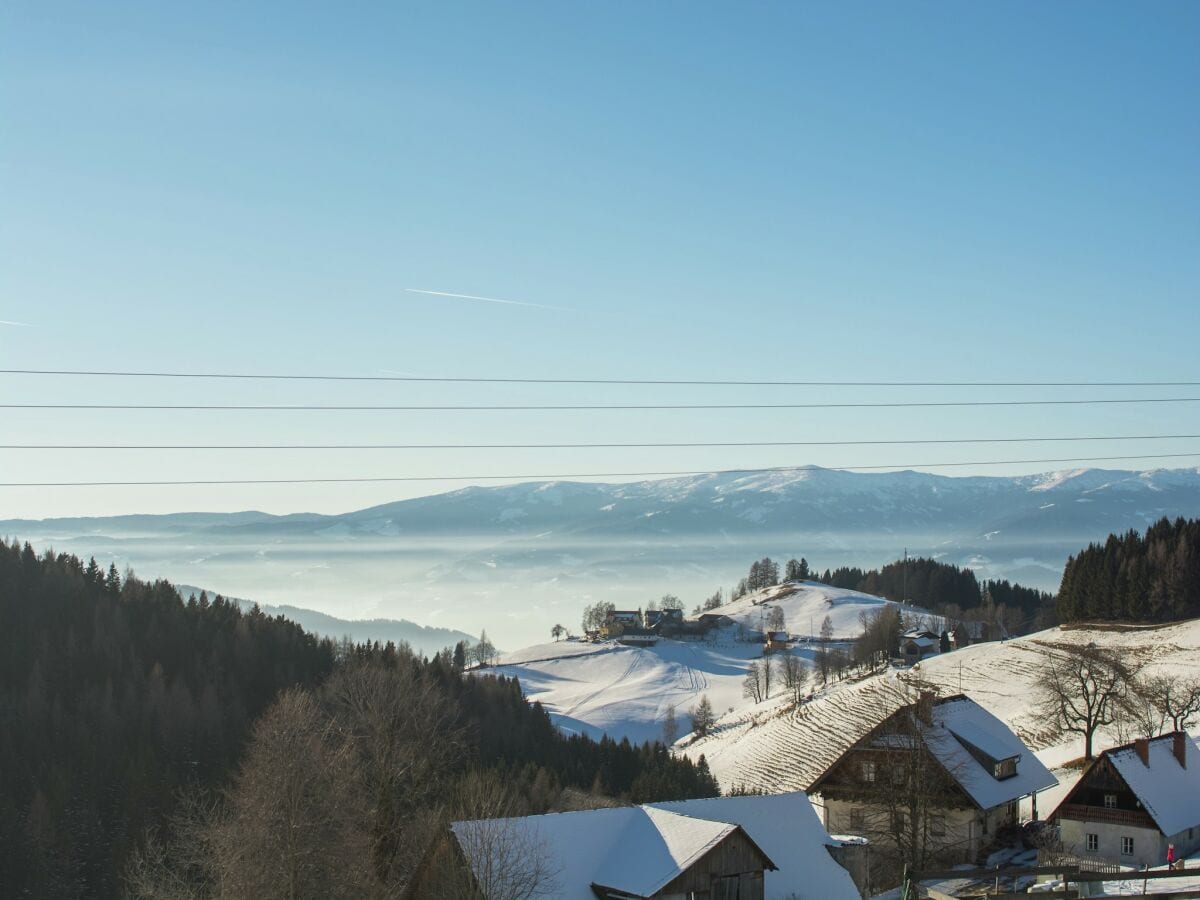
662,618
750,848
945,774
916,644
1135,800
618,620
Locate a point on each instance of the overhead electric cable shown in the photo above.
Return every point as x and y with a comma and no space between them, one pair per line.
630,381
561,476
308,407
598,446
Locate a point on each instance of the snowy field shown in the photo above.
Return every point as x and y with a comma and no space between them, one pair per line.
623,691
608,688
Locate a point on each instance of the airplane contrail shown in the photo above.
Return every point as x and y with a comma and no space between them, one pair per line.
15,324
483,299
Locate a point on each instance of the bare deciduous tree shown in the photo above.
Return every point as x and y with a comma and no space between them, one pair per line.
489,853
330,799
178,862
294,808
1082,689
795,675
823,661
670,729
404,741
484,652
1154,702
752,684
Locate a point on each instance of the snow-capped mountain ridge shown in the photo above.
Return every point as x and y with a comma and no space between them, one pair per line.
517,558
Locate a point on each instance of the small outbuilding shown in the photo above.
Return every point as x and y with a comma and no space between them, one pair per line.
776,641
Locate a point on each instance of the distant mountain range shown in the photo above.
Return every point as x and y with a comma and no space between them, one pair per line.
515,559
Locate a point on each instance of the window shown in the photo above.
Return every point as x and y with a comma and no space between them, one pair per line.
1110,801
1093,842
857,820
868,770
1127,846
1006,768
937,826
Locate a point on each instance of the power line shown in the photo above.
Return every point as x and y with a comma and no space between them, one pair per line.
561,476
599,446
586,407
630,381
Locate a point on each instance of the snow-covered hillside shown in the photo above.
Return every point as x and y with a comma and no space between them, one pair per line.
780,749
625,691
806,604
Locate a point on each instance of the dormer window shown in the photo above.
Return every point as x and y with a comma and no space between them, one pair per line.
999,767
1005,768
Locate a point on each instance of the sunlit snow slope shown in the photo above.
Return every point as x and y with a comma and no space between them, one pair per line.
626,691
780,749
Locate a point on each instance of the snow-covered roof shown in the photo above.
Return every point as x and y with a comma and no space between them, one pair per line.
923,642
1169,792
961,717
915,633
638,850
787,829
656,848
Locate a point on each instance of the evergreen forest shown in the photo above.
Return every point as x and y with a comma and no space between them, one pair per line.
1133,577
155,747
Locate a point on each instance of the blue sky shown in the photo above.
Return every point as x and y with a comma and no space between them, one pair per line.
924,191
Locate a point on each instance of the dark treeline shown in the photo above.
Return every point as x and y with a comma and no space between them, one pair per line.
951,591
1129,577
947,590
113,694
127,713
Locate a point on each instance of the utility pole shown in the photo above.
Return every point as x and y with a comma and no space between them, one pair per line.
904,579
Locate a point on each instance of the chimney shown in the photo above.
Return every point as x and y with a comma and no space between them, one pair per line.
1180,748
1142,748
925,707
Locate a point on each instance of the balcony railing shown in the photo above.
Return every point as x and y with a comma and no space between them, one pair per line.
1135,818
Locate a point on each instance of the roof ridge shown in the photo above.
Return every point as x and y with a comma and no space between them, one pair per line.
1132,745
679,866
